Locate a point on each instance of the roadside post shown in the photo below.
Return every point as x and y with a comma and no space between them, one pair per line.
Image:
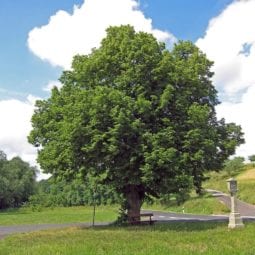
235,220
94,205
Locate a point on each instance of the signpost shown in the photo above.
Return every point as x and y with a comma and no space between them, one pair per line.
235,220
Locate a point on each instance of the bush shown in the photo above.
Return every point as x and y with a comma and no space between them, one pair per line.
234,166
51,193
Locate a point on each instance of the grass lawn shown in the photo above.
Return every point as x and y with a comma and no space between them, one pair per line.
160,239
58,215
205,204
196,205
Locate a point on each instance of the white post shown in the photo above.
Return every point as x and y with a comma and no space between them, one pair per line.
235,220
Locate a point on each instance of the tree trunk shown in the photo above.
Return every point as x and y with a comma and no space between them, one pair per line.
134,195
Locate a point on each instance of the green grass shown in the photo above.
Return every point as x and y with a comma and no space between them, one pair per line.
217,181
245,181
164,239
57,215
247,191
205,204
196,205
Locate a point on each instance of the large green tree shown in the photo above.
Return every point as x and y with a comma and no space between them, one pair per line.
136,114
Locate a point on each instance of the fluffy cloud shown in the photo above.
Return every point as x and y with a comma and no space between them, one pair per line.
242,114
230,42
68,34
15,126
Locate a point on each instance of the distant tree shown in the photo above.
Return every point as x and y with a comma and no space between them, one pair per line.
3,158
53,192
17,181
234,166
137,115
252,158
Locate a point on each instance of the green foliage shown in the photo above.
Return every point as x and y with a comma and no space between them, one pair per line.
52,193
234,166
17,181
196,204
217,180
141,117
252,158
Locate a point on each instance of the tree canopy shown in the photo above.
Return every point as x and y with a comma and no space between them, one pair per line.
136,114
17,181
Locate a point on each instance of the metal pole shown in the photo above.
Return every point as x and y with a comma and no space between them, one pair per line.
94,207
94,213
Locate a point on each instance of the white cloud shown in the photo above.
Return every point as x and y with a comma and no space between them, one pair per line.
230,42
51,85
15,126
242,114
68,34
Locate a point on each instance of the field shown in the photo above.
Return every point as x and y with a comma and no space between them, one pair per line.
169,238
57,215
196,205
173,238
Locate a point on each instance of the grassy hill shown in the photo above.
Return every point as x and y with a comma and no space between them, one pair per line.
245,180
205,204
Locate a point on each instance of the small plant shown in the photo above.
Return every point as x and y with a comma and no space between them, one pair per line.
122,216
36,208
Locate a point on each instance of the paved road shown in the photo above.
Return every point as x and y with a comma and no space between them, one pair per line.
170,216
7,230
243,208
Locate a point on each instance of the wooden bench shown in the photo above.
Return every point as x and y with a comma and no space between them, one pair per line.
137,219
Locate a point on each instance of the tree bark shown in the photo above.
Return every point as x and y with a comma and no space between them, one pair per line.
135,196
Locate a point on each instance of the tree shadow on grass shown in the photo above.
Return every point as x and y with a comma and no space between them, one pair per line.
14,211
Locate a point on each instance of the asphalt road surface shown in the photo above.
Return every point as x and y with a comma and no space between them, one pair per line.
246,210
7,230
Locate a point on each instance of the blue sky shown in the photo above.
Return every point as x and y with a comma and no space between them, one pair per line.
38,39
22,73
186,19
